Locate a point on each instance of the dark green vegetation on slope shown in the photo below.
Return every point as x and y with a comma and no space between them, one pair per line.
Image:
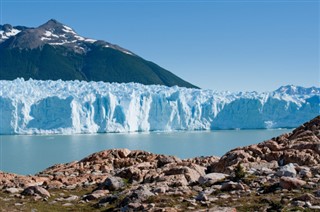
99,64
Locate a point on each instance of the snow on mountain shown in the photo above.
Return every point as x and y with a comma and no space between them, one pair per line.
7,31
35,107
297,90
53,33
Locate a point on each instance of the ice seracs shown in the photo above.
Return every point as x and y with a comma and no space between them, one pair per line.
35,107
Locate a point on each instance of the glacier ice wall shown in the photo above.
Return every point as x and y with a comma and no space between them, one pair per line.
35,107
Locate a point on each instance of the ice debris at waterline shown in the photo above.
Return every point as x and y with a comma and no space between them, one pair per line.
35,107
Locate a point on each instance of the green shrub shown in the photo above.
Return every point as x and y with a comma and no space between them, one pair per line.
239,172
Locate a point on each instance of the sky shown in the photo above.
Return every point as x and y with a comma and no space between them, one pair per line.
221,45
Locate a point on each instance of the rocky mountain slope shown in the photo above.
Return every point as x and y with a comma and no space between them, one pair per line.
55,51
280,174
301,147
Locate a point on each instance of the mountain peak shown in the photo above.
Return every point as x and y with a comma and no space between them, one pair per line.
7,27
53,21
55,25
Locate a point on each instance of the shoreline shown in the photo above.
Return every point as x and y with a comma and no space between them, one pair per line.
45,151
281,173
149,132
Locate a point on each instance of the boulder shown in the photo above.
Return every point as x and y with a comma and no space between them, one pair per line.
131,173
12,190
142,193
71,198
53,184
291,183
192,175
112,184
35,190
212,178
201,196
305,197
97,194
109,199
123,153
68,204
192,172
164,159
287,171
160,190
138,195
260,165
230,186
222,209
305,172
135,206
173,180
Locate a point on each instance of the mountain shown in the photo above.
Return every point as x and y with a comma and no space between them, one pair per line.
35,107
55,51
297,90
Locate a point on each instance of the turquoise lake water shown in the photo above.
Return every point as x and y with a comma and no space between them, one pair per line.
31,154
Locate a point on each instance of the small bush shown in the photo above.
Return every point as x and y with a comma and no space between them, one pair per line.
239,172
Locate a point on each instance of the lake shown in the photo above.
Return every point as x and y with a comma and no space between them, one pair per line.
29,154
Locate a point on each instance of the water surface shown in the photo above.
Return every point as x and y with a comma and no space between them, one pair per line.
30,154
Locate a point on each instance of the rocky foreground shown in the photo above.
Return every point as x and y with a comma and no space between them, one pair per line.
279,174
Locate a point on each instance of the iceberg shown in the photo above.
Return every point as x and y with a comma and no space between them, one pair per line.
69,107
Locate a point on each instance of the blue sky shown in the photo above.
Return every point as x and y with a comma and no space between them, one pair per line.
220,45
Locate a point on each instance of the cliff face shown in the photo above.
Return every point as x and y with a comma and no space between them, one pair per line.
97,107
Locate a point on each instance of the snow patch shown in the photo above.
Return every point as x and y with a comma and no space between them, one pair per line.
68,29
89,40
126,52
80,38
47,33
58,44
5,35
12,32
45,38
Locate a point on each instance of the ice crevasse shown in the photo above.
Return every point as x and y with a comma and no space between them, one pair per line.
67,107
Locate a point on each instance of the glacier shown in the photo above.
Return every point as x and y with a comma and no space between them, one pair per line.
69,107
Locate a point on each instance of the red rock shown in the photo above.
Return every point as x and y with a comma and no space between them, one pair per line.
230,186
291,183
123,153
54,184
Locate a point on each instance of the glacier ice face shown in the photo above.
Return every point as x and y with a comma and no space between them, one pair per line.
35,107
